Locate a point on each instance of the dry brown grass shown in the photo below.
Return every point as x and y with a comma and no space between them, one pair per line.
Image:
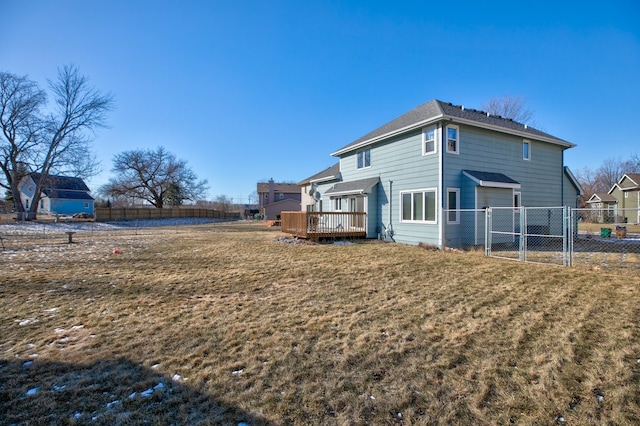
264,332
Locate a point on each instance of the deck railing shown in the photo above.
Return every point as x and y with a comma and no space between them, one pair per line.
316,225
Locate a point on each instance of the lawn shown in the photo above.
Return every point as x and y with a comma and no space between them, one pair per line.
235,324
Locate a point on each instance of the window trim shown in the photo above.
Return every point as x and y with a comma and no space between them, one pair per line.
363,152
424,204
517,194
336,207
457,139
424,140
456,210
526,143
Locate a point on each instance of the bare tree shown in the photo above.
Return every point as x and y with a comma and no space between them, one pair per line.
57,141
20,103
513,107
609,173
155,176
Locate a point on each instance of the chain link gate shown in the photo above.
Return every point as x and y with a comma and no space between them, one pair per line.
529,234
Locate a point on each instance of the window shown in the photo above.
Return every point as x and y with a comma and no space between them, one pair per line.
86,205
517,199
338,204
364,158
419,206
429,141
453,205
526,150
626,195
281,196
452,140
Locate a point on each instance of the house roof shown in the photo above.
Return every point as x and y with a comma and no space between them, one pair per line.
633,182
435,110
67,195
362,186
573,180
329,173
279,187
65,183
602,197
491,179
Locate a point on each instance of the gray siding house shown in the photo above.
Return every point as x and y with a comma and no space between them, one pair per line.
407,173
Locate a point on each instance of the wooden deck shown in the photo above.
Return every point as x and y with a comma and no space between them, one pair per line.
317,225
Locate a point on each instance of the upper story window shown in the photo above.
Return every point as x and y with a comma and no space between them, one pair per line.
526,150
363,158
429,141
453,142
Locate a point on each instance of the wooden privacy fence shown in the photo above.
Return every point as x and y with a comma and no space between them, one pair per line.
114,214
316,225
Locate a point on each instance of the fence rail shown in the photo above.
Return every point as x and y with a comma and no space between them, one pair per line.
563,236
316,225
103,214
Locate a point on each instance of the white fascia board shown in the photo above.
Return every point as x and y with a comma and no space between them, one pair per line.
323,179
525,135
390,134
615,185
491,184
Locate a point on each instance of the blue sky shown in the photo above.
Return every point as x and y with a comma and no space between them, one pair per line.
249,90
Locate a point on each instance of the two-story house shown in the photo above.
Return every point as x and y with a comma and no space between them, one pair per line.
309,196
626,192
274,198
58,195
414,174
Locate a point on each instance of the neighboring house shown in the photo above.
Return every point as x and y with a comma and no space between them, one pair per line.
603,207
59,194
274,198
310,197
627,194
439,157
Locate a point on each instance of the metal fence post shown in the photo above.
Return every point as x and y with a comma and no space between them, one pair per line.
488,223
522,244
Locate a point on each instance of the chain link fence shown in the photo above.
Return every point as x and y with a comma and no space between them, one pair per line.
554,235
607,238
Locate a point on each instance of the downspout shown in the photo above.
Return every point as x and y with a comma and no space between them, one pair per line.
440,188
389,229
562,180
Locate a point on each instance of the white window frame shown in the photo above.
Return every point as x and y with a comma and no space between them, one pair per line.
424,204
337,204
517,196
526,155
362,153
86,205
457,139
425,140
453,210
